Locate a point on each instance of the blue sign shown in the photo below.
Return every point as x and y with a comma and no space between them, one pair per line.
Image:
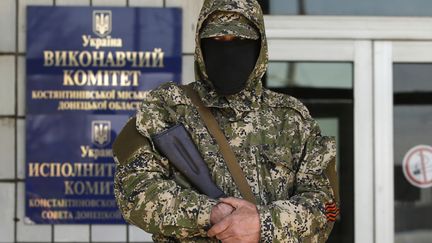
87,69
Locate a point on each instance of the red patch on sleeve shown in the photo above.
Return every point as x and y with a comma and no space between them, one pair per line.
331,211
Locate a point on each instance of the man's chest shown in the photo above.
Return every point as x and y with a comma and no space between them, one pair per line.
265,145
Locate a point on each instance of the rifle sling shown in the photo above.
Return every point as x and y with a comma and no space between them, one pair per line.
224,147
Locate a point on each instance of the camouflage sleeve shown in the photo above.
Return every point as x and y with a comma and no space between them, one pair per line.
147,195
303,216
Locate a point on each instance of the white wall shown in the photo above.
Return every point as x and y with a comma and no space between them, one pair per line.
12,123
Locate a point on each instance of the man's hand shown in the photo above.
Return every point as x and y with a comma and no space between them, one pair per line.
219,212
243,225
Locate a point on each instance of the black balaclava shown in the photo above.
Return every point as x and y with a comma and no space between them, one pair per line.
229,63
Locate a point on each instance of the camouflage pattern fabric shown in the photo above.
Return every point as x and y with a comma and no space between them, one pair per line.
277,143
225,23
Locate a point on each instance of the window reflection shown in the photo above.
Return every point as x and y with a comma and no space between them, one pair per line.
310,74
413,77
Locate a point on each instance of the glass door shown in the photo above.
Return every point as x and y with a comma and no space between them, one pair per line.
403,144
412,132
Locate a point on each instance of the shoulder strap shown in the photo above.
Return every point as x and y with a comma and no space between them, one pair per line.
128,142
224,147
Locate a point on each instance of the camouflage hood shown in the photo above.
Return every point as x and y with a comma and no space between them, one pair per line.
248,98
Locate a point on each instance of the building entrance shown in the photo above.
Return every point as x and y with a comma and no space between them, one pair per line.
367,82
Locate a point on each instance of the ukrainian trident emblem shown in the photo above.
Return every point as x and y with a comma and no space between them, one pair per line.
102,22
101,133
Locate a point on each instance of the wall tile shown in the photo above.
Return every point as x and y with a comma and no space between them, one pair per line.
191,9
138,235
108,233
20,160
7,148
73,2
188,72
146,3
71,233
21,86
7,90
22,19
7,205
109,2
7,25
29,233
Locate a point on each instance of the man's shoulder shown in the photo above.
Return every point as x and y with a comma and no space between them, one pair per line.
166,94
284,101
154,114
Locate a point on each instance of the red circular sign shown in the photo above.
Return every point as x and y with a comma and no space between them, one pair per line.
417,166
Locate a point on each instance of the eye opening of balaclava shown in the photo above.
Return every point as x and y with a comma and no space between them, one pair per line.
229,63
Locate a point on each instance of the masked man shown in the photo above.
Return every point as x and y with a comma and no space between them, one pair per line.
278,146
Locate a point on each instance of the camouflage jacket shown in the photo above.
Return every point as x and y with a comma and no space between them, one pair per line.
277,143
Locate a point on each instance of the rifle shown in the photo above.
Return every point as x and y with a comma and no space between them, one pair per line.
176,144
